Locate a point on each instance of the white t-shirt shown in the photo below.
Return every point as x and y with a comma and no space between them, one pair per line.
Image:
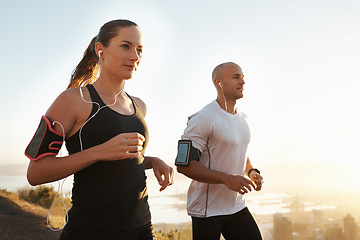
226,136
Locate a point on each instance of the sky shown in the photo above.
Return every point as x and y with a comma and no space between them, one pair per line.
300,60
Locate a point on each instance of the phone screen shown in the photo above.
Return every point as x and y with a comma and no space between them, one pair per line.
183,153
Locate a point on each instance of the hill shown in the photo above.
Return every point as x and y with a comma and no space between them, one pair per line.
19,224
20,219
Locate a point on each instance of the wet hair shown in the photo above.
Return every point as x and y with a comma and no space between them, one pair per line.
88,67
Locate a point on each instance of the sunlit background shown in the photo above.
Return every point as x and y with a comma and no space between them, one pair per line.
300,59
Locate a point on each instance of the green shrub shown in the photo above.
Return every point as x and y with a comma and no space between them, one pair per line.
174,234
41,195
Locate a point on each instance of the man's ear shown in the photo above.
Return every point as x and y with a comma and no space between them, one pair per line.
217,83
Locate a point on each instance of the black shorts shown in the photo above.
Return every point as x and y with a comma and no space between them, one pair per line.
240,225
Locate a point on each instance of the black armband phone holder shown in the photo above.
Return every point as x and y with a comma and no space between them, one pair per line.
45,141
186,153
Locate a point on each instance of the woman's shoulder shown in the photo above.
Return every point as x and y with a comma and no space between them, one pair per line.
140,103
68,108
73,95
68,100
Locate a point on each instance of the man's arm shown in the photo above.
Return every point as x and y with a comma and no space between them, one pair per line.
254,176
197,171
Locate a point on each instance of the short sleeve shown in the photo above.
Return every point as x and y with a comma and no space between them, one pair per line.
198,130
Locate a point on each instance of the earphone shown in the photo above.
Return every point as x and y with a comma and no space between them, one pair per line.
100,52
222,90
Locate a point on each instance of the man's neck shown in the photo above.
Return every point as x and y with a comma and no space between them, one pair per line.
227,106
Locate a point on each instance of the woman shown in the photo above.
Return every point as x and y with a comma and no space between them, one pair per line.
106,136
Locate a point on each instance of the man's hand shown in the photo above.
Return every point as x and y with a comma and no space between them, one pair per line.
239,184
257,179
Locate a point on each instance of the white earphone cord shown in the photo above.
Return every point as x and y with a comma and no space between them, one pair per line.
59,192
226,108
60,187
97,111
222,90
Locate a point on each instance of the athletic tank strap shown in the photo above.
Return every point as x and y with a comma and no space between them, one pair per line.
95,97
136,107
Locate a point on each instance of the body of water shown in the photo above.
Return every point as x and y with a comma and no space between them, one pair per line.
169,206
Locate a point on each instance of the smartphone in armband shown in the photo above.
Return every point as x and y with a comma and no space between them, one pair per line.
182,158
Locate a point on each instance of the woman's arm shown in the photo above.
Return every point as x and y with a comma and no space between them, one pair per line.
50,168
163,172
71,112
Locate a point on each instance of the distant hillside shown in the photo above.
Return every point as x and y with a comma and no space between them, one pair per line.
13,169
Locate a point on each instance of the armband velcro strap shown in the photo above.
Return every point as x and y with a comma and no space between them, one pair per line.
195,154
45,141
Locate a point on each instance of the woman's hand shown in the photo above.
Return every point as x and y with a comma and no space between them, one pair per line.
163,172
122,146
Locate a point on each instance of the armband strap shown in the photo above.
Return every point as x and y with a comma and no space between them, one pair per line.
195,154
45,141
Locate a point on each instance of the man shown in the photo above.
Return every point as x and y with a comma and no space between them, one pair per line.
220,134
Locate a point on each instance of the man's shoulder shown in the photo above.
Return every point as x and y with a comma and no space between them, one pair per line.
206,112
242,114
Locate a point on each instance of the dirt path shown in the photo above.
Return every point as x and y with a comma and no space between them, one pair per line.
17,224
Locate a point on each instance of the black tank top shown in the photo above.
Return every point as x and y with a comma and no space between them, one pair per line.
109,195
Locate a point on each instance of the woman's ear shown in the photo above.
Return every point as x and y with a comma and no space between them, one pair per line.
98,49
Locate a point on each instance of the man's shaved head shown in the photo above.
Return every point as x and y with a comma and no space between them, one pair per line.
218,70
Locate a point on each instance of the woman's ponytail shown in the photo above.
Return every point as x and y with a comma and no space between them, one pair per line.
86,71
87,68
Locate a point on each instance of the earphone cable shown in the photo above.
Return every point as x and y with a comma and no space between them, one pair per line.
59,192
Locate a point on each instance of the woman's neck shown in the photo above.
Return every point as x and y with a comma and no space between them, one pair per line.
108,86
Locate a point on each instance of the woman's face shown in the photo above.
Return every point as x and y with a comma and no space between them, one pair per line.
122,57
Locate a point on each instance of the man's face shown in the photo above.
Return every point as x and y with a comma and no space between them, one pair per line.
232,79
